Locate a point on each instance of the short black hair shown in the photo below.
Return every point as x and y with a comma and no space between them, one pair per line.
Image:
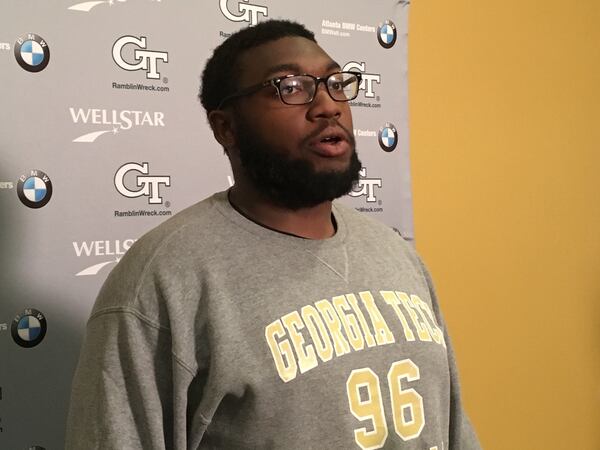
222,67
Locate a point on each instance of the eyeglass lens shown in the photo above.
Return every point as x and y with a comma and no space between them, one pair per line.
300,89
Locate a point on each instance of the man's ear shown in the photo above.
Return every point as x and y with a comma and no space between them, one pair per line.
222,126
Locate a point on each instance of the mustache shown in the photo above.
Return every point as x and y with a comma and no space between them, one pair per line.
322,125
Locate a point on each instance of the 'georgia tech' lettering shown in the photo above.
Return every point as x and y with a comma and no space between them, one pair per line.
327,329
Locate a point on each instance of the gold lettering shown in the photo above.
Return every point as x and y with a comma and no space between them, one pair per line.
410,308
349,321
361,319
380,327
280,350
335,327
318,332
436,331
392,300
306,355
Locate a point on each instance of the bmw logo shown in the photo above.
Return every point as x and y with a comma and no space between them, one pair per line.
388,137
32,52
34,189
386,34
29,328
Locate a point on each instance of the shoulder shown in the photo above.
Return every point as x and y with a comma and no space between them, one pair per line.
363,226
189,225
158,257
375,236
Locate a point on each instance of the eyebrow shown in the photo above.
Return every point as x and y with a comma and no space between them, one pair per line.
294,68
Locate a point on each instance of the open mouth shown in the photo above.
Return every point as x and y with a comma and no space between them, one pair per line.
331,145
331,139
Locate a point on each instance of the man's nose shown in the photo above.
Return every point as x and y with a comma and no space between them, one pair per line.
323,105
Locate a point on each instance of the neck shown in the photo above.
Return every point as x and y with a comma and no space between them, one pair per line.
312,223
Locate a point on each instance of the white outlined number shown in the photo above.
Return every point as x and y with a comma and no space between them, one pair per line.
365,401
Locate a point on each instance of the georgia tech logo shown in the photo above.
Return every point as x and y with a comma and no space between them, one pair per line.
388,137
29,328
367,78
143,59
34,189
365,186
387,34
32,52
248,12
149,184
113,121
111,250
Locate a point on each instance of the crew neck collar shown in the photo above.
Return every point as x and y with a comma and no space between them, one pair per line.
224,206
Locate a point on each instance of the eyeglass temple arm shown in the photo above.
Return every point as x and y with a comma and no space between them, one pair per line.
358,75
246,91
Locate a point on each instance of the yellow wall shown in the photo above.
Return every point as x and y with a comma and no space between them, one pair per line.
505,151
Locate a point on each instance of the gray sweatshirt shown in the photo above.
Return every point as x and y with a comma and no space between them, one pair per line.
216,332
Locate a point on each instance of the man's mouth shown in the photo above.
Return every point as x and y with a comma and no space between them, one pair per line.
331,139
330,143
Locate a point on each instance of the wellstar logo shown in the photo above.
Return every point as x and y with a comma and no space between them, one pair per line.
88,6
113,121
113,249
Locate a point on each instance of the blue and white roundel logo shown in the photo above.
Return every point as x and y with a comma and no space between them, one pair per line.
386,34
388,137
29,328
34,189
32,52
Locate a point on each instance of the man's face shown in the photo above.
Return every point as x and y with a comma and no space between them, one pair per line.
296,155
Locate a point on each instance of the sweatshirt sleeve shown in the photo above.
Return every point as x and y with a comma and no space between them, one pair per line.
129,390
462,435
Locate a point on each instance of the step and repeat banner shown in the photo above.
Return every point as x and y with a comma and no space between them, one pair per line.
102,137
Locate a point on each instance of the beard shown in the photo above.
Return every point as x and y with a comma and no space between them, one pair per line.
292,183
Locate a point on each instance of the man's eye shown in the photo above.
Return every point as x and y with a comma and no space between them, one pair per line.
336,86
289,89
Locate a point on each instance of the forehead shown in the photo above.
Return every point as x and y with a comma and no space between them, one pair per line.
279,56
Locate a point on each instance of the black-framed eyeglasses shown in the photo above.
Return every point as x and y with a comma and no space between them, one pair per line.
301,89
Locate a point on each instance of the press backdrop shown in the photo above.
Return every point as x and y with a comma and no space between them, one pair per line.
102,138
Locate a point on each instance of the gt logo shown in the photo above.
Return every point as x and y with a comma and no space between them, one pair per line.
249,12
144,59
365,186
149,185
367,79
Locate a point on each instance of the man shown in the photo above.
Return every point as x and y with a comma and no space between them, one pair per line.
268,316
